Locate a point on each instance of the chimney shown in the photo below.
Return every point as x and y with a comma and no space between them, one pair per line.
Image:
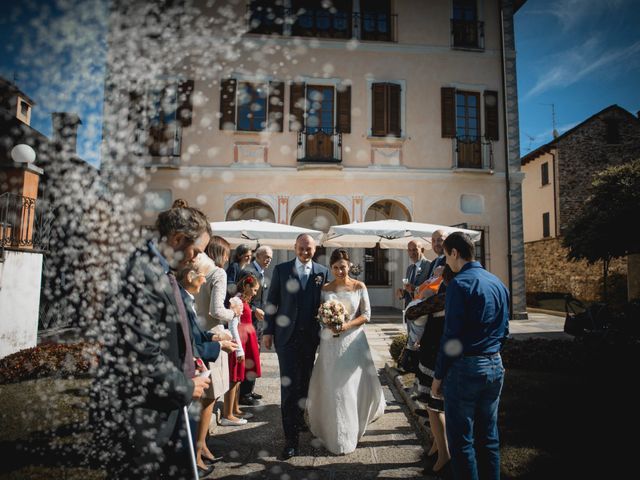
65,131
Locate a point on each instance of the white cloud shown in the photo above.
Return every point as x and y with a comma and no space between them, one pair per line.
571,13
573,65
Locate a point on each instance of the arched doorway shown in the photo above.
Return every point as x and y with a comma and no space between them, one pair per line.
320,215
251,209
383,267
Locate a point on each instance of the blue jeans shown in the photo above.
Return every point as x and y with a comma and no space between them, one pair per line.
472,389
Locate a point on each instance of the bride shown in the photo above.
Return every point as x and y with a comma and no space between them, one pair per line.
345,394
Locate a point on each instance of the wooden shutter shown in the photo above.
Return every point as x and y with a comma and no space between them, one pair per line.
378,106
296,107
344,110
228,104
276,106
185,104
491,125
448,106
393,110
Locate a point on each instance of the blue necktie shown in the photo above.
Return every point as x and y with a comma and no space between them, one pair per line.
304,278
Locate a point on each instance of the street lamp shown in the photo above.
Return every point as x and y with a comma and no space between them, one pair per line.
23,154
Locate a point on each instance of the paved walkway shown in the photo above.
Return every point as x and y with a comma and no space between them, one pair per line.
391,448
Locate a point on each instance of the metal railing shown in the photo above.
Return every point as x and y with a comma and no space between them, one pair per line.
473,152
322,23
467,34
24,224
312,146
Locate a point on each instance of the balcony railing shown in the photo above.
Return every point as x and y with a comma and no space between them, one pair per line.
319,145
473,153
322,23
23,224
467,34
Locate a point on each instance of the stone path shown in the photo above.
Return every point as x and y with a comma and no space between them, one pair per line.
391,448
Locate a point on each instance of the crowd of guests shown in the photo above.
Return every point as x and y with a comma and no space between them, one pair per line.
182,333
457,320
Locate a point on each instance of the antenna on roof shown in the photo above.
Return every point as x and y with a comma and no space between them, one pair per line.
555,132
531,139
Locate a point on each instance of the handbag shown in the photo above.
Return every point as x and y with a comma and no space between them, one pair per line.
408,360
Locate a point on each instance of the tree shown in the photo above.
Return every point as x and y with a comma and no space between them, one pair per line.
605,227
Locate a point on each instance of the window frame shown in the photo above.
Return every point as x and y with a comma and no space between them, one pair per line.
546,225
544,174
266,86
403,109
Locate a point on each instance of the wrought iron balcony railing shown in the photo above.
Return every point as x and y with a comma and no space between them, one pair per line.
467,34
473,152
319,145
322,23
23,224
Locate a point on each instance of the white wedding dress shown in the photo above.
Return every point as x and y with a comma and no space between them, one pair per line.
345,394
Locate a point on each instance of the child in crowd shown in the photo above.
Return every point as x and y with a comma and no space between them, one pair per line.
245,361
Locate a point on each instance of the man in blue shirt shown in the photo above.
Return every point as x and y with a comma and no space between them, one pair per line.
469,368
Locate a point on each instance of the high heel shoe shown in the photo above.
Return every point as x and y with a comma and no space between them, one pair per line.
203,472
444,472
211,461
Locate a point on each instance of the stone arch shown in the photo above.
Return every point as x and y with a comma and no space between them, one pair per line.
387,209
319,214
251,209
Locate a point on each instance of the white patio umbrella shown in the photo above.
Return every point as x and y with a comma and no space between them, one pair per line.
389,233
254,232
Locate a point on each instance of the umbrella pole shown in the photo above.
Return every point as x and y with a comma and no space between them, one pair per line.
192,452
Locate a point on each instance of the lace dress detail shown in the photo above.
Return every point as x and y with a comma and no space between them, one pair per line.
345,394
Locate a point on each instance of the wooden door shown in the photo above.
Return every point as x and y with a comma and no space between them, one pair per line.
320,122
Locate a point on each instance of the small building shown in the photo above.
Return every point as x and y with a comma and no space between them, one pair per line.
556,184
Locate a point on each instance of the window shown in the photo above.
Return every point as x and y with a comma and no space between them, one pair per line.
251,106
461,120
375,18
466,30
266,16
24,108
169,109
386,110
319,18
376,271
545,225
544,173
468,129
613,131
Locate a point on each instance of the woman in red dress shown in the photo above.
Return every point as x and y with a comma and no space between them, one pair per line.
244,362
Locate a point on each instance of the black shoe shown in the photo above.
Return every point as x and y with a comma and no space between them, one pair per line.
288,452
248,401
211,461
204,472
255,396
444,472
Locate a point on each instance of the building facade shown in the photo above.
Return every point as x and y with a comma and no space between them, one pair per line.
321,113
556,184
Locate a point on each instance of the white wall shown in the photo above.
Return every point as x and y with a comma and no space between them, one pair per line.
20,276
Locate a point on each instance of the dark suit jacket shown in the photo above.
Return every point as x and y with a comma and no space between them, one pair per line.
140,388
285,304
421,276
203,344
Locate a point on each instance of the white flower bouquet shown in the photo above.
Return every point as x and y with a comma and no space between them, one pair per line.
332,314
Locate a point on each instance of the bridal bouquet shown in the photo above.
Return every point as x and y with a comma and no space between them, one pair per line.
332,314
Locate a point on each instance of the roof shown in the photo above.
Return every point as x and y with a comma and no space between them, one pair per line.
517,5
547,147
12,88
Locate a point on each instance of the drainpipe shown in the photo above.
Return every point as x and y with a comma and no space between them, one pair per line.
506,156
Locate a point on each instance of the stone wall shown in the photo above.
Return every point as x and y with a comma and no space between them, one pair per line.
585,151
549,271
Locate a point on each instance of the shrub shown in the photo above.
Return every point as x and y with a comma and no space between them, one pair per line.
397,344
46,360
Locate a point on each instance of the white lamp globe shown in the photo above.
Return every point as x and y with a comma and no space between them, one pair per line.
23,154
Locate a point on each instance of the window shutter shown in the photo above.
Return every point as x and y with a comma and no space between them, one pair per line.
228,104
378,104
448,106
185,104
344,109
276,106
491,125
296,107
393,116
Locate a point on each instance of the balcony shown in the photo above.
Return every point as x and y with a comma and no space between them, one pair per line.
319,146
23,224
322,23
473,153
467,34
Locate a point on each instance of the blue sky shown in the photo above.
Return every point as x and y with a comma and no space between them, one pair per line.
580,55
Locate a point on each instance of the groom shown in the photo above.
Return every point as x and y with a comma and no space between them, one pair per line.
293,301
